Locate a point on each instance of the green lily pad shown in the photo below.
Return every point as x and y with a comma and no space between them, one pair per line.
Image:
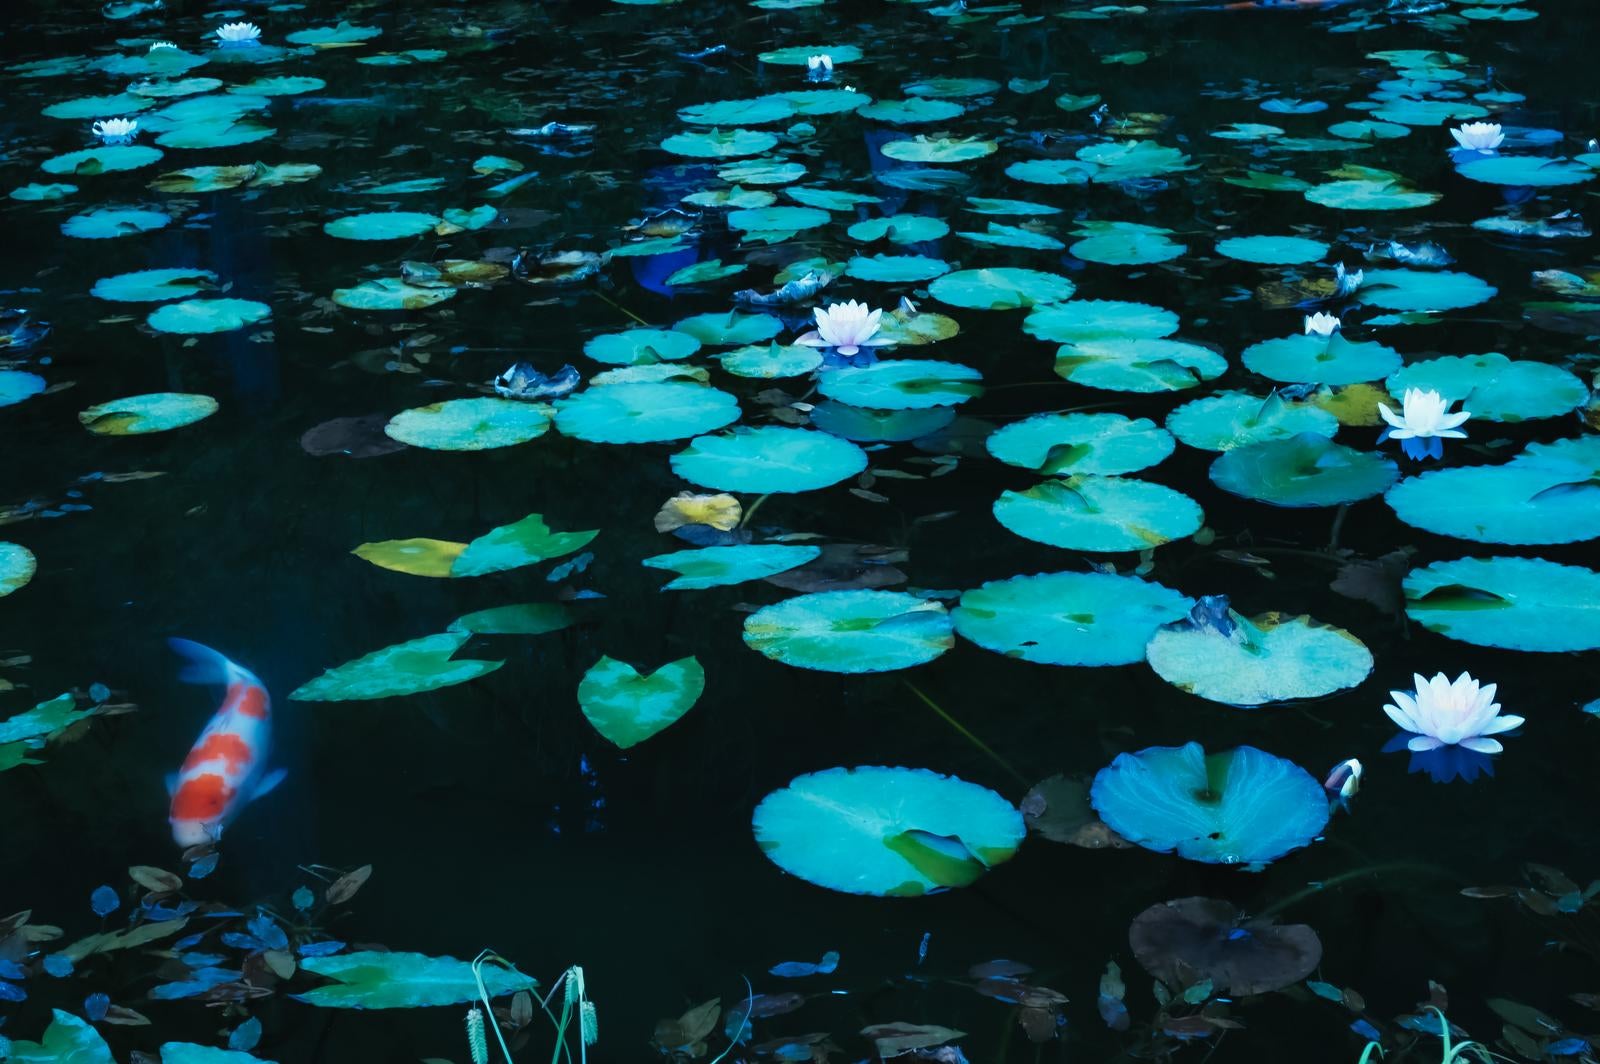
68,1040
772,361
1098,319
197,316
886,832
1068,618
469,424
1227,420
768,460
1369,194
899,229
522,618
851,631
1059,444
940,150
153,286
1138,364
391,293
1096,513
640,347
721,566
1270,658
1494,387
1237,807
43,721
730,328
704,273
627,708
372,980
1272,250
402,669
1000,288
902,384
1513,603
1312,359
136,415
521,543
103,160
1304,470
381,225
109,222
651,412
719,143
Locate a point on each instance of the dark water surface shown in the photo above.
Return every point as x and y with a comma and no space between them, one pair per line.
493,813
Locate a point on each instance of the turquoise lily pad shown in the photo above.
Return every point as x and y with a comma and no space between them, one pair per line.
1138,364
1059,444
1494,387
1272,250
1514,603
772,361
108,222
1270,658
730,328
899,229
769,459
1423,290
197,316
879,426
651,412
1312,359
721,566
136,415
1068,618
1096,513
402,669
1304,470
17,385
851,631
1078,320
469,424
68,1040
1227,420
627,708
102,160
640,347
153,286
1000,288
902,384
719,144
381,225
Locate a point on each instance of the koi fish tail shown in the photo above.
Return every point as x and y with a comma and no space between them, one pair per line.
203,665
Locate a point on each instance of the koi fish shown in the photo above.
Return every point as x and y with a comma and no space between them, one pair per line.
225,770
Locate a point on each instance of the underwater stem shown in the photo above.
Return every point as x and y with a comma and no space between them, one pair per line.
748,514
1342,877
967,735
744,1021
622,308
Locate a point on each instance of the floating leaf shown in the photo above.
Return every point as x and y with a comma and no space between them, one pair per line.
139,414
402,669
851,631
721,566
366,980
1304,470
627,708
1269,658
1097,513
651,412
1516,603
768,459
1068,618
469,424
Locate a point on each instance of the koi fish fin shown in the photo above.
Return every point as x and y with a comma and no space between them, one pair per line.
172,784
269,783
204,665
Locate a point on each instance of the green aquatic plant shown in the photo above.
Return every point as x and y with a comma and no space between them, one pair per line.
576,1011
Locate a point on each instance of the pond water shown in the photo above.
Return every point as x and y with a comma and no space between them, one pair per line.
450,189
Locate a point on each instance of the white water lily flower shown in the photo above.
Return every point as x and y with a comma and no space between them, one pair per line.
116,130
1320,324
846,327
1344,781
156,46
819,67
1442,713
1479,136
1423,423
238,32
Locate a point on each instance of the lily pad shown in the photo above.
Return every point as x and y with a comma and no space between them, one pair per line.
102,160
372,980
1096,513
17,385
1525,171
1534,499
139,414
887,832
391,293
469,424
1423,290
1227,420
1068,618
851,631
1250,662
879,426
1138,364
721,566
719,143
402,669
730,328
639,347
1494,387
109,222
1078,320
1272,250
772,361
1515,603
652,412
1203,940
381,225
68,1040
197,316
1313,359
940,150
153,286
1105,444
912,111
899,229
1304,470
767,460
896,269
627,708
1000,288
1241,806
902,384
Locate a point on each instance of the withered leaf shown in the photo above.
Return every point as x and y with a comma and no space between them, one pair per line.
344,888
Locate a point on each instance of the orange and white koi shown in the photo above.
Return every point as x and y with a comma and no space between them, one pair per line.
225,770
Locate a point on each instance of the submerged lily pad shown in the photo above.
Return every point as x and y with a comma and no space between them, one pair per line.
372,980
1202,940
650,412
1241,806
469,424
1250,662
879,426
769,459
721,566
1514,603
139,414
1106,444
1068,618
1304,470
627,708
402,669
888,832
851,631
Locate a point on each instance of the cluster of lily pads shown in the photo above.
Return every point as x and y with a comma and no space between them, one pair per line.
1058,239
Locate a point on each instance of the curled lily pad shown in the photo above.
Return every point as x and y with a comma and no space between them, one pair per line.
402,669
1138,364
851,631
17,566
1242,806
769,459
1222,657
139,414
195,316
902,384
720,566
1227,420
1096,513
648,412
627,708
1106,444
1494,387
1304,470
469,424
1516,603
1193,939
1313,359
889,832
1068,618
